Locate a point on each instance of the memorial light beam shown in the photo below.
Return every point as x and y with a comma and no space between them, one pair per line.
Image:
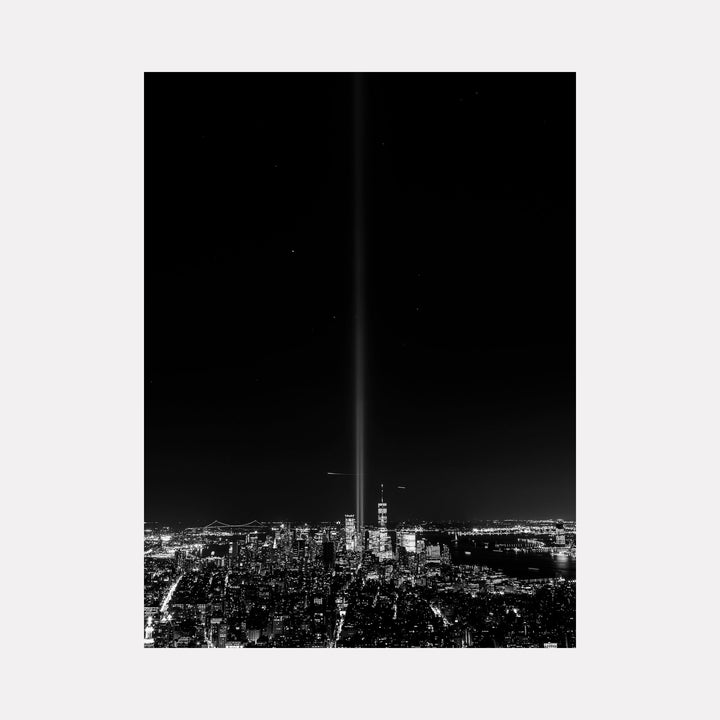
359,247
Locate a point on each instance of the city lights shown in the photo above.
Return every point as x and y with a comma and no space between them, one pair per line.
506,583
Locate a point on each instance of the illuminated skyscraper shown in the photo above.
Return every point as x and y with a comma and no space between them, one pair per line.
383,539
374,540
407,539
560,533
351,539
433,553
222,635
382,511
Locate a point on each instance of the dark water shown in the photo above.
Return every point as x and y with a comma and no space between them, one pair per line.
513,564
519,565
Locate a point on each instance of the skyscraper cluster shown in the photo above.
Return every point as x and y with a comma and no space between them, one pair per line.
379,540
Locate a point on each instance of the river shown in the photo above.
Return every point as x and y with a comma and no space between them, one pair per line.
470,551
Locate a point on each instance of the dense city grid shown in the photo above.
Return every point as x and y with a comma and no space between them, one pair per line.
504,584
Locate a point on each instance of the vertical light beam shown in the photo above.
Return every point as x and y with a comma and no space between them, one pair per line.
359,247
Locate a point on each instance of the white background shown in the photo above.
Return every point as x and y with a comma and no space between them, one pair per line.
71,380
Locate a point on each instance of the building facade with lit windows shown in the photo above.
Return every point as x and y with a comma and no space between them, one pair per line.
351,537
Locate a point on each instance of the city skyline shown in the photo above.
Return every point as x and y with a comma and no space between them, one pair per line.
381,519
326,585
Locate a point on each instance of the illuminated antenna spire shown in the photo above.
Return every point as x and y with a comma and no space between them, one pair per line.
381,493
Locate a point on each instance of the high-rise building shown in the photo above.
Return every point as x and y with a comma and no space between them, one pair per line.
445,555
278,624
351,539
374,540
433,553
382,511
383,538
560,533
408,540
234,554
299,548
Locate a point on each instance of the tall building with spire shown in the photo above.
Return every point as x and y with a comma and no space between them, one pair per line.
383,538
382,511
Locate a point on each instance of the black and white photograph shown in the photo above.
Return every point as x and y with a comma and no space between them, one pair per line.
360,360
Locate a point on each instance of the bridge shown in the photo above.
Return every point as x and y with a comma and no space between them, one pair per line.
253,525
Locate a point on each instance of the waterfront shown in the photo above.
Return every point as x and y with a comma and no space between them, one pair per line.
519,564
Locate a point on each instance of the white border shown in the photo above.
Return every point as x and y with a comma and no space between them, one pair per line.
71,304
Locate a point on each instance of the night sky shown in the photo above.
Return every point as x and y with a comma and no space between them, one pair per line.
470,288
